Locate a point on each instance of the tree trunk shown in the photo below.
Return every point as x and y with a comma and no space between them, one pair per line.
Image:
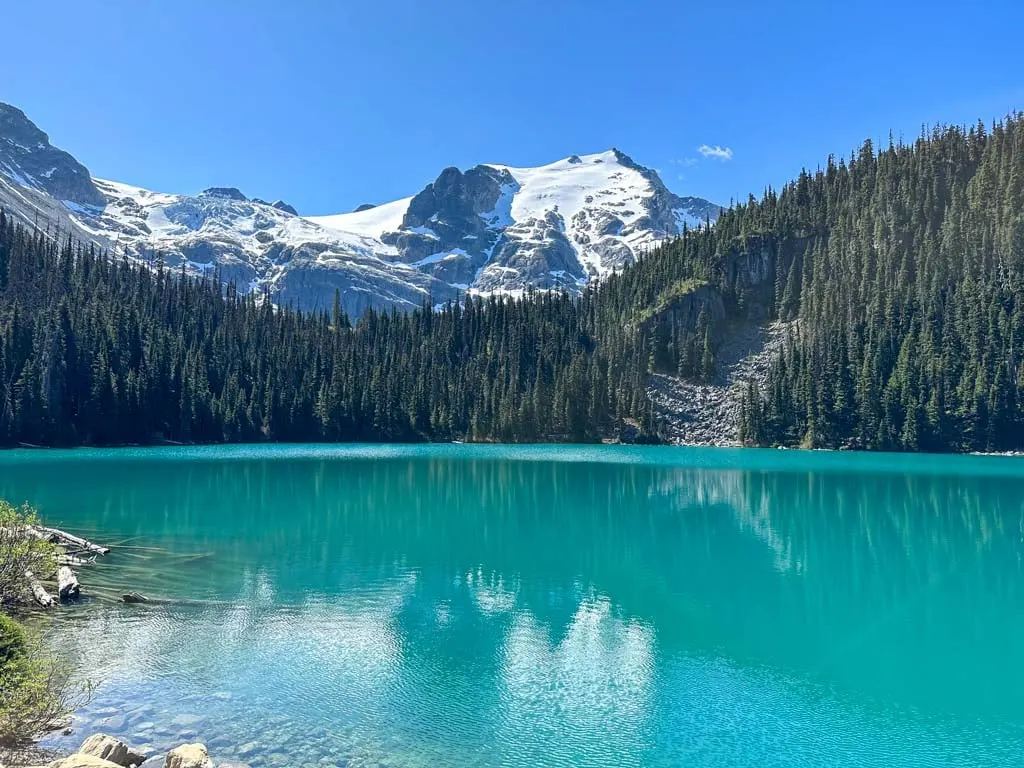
38,591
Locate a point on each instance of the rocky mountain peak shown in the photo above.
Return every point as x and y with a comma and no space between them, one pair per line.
26,155
457,195
488,229
281,205
16,127
225,193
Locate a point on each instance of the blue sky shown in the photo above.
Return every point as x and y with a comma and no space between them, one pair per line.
328,104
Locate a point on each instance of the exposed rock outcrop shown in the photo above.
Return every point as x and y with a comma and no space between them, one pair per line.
533,253
708,413
107,747
189,756
453,220
227,193
26,153
281,205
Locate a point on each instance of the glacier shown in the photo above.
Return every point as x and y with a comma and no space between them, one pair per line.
490,229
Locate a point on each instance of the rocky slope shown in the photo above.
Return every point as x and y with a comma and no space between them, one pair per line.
492,228
708,413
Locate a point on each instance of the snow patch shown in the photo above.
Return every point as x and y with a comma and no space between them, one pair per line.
370,223
454,253
501,215
424,231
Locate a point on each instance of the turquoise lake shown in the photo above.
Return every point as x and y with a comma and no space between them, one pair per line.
559,606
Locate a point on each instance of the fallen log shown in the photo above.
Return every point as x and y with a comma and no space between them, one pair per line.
69,541
39,592
67,583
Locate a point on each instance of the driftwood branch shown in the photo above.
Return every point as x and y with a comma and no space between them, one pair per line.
74,544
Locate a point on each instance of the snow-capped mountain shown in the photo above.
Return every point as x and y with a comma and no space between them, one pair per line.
492,228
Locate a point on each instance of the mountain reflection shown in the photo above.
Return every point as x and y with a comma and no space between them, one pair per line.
518,570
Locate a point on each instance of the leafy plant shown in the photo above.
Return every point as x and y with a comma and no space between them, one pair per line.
37,692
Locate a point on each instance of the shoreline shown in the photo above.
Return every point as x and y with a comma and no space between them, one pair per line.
724,445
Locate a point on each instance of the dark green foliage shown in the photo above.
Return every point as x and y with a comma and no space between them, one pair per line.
97,350
12,643
35,690
904,270
910,298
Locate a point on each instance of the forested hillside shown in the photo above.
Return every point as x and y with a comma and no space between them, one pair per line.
98,350
903,271
906,269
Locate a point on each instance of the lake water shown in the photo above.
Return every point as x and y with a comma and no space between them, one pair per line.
557,606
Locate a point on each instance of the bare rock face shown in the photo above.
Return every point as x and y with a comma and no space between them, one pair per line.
227,193
26,151
533,253
189,756
453,217
281,205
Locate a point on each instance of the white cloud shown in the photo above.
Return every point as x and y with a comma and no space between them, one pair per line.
716,152
686,162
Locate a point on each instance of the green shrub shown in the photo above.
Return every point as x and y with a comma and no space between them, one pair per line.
12,641
36,690
20,552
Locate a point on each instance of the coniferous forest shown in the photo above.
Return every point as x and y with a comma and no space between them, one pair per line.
902,269
906,271
99,350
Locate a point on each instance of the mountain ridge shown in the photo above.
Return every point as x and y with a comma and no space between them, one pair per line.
488,229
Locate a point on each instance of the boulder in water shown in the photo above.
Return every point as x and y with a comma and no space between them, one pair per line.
106,747
110,749
189,756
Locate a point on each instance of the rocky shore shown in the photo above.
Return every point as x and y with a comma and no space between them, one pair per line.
102,751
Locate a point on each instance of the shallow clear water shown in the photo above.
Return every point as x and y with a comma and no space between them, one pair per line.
520,606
